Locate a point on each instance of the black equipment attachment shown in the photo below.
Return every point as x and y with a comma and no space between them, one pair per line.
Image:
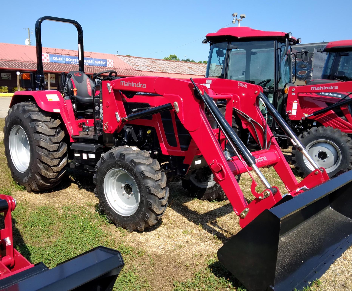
294,243
96,270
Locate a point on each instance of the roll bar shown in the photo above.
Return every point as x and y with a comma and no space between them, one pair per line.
38,35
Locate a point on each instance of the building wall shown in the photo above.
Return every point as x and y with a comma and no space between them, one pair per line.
8,78
23,58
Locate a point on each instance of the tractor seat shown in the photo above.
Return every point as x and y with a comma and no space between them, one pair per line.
80,88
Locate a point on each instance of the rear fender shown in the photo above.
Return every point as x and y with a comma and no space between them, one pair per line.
50,101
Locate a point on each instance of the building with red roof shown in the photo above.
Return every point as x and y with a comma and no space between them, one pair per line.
22,58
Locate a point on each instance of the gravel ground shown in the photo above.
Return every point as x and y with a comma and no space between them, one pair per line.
339,275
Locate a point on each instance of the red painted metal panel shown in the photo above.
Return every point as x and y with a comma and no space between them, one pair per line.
338,45
51,101
11,261
304,100
247,32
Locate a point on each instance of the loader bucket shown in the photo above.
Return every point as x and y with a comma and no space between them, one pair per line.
293,243
95,270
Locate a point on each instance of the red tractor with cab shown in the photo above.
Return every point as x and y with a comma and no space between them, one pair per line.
319,112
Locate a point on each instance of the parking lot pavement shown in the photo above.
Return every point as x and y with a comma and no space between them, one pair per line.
4,106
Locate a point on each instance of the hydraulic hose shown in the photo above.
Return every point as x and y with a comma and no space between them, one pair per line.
288,131
225,127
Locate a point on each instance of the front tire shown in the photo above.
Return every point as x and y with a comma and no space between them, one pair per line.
131,188
201,184
329,148
34,147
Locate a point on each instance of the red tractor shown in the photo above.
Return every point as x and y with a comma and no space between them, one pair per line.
134,133
319,113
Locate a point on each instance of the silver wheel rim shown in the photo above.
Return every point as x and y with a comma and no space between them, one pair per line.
121,192
202,184
19,148
325,153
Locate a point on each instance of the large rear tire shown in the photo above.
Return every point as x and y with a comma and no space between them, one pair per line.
131,188
34,147
329,148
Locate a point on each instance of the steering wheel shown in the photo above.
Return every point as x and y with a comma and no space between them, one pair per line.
111,73
264,82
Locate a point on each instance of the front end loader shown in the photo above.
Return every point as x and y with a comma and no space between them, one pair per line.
96,269
134,133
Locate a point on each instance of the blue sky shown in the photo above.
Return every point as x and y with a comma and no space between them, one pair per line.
156,29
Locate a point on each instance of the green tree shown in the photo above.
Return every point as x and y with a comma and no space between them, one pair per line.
188,60
172,58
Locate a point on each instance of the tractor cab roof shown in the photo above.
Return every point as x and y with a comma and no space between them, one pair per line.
340,45
247,33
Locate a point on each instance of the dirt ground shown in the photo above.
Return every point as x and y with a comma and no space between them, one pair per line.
189,236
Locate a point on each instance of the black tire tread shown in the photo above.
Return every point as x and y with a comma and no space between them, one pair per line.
324,131
154,181
51,151
211,194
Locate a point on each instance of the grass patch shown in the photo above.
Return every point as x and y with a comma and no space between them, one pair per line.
130,281
213,277
54,235
314,286
7,184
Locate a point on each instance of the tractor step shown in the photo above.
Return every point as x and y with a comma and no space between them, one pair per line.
86,135
86,155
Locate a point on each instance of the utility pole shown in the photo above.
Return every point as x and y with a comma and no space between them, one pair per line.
242,16
28,40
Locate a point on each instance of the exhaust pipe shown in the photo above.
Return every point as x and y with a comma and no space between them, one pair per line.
295,242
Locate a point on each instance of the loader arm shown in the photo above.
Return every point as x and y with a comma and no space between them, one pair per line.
188,107
318,101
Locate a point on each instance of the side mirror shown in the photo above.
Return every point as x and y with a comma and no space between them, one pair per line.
305,56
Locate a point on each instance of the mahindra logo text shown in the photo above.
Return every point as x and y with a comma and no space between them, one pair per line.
260,159
318,88
133,84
